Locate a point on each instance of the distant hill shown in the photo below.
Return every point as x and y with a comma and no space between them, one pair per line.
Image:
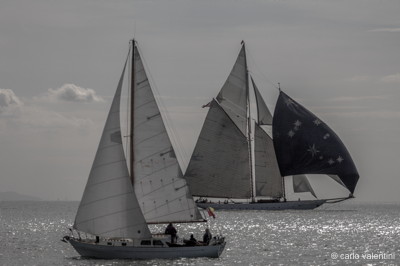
14,196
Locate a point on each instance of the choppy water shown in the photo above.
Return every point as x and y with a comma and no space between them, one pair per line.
352,234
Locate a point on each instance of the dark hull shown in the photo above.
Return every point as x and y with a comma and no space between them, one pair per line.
288,205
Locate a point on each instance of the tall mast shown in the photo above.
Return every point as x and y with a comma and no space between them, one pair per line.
132,157
252,181
283,177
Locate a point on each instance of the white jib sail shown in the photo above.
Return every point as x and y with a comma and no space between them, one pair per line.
109,207
160,188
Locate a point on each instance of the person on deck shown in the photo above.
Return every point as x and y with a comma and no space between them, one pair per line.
207,236
170,230
192,241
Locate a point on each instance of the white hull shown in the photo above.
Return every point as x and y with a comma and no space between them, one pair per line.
288,205
99,251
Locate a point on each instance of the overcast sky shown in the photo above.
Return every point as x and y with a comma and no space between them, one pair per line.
60,62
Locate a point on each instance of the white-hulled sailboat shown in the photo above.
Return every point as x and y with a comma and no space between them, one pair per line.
117,204
238,164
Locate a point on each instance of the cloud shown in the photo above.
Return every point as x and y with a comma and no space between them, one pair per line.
29,115
72,93
378,114
386,30
359,98
8,100
395,78
360,78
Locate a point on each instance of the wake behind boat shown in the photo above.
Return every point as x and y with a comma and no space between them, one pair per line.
119,202
239,164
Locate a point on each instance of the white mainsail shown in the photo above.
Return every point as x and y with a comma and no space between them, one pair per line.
219,166
159,185
109,207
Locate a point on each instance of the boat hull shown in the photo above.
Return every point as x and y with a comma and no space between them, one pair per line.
288,205
92,250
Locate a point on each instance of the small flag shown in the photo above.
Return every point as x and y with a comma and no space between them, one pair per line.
210,211
206,105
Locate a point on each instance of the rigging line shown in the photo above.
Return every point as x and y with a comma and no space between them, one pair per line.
167,122
127,135
261,73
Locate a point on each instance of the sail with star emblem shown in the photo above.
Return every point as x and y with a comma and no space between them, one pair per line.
306,145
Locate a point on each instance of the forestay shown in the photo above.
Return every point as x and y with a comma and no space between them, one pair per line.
109,207
219,166
160,188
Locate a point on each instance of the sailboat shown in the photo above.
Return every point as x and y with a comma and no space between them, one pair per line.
124,194
238,164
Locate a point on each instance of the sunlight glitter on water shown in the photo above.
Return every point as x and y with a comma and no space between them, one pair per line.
33,231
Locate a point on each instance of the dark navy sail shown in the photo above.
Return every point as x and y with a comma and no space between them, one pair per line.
306,145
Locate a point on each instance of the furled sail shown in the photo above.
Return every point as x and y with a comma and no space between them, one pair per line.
263,113
109,207
306,145
161,190
267,176
234,93
301,184
219,166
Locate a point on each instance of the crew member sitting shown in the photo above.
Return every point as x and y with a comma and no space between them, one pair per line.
192,241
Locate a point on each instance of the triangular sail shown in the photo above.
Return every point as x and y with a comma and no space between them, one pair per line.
337,179
109,207
263,113
219,166
267,176
306,145
234,93
160,188
301,184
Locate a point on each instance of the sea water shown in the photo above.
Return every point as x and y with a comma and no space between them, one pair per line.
348,233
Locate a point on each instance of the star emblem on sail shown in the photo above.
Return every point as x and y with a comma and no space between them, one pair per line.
317,122
297,123
289,102
313,150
